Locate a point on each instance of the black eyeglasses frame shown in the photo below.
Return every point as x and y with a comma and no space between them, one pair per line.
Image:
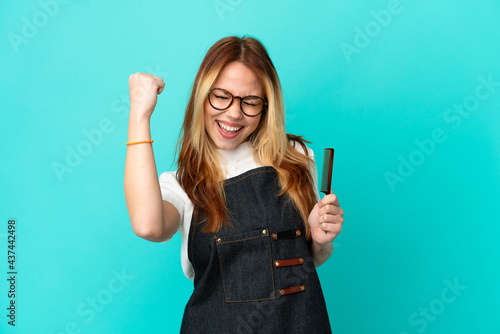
264,106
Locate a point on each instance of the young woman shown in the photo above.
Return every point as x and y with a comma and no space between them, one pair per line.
244,198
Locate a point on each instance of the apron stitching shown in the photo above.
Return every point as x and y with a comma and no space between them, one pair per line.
192,241
226,242
247,300
221,271
271,263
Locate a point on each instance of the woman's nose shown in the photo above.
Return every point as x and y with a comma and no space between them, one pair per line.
234,111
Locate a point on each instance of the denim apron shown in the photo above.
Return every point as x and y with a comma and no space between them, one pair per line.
258,277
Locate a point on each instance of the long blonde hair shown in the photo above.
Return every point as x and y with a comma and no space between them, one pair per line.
198,166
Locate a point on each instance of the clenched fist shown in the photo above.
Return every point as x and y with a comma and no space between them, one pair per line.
144,89
326,219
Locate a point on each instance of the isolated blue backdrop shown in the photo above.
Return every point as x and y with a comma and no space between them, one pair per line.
407,92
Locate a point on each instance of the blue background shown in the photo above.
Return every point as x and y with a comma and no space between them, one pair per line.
401,245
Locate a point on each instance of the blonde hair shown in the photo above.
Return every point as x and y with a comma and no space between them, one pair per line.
198,166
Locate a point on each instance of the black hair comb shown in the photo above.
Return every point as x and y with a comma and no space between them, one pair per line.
326,178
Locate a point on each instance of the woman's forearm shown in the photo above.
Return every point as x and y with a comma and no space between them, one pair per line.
141,185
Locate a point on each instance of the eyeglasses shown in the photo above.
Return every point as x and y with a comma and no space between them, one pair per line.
250,105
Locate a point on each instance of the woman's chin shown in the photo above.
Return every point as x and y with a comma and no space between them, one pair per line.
227,146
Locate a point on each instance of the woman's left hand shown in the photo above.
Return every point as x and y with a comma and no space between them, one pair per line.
326,219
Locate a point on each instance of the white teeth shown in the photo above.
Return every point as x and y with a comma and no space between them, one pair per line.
228,128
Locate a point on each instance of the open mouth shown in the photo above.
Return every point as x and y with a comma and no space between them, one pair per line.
229,129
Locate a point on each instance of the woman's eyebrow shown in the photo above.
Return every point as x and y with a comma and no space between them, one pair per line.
253,94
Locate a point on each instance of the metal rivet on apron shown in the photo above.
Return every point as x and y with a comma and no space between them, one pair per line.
302,288
298,233
277,264
282,292
275,236
301,260
264,232
219,240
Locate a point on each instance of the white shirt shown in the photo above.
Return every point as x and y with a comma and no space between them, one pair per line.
233,163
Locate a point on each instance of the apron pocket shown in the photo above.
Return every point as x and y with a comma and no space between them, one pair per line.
246,266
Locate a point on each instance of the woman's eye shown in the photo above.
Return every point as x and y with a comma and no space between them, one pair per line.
251,102
221,97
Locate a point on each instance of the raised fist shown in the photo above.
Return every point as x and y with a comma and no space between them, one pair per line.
144,89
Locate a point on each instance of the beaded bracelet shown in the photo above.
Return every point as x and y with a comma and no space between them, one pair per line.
139,142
